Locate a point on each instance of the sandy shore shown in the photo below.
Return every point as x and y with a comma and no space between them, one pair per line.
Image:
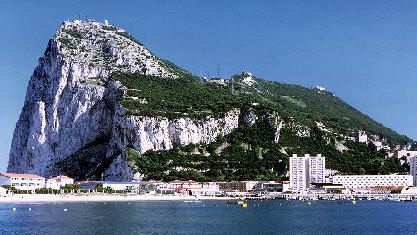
45,198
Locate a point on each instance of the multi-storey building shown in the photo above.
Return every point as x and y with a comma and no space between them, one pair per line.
371,181
22,181
238,186
413,169
298,173
306,170
317,169
58,182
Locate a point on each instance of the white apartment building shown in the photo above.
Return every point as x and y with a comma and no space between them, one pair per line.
306,170
58,182
317,169
22,181
371,181
413,169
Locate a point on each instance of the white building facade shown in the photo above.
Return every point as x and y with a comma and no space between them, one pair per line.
317,169
58,182
22,181
362,137
306,170
413,169
371,181
405,154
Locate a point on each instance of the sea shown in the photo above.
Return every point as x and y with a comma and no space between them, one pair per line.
210,217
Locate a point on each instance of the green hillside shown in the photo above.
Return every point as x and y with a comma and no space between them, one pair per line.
249,152
187,96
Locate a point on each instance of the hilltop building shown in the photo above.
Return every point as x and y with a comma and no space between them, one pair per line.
320,88
306,170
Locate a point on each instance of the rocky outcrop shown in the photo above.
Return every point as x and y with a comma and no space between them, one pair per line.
71,122
146,133
276,123
250,117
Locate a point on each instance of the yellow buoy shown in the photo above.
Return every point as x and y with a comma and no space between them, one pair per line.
308,203
353,202
302,200
244,205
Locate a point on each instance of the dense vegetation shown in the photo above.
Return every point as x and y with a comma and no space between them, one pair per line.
187,96
310,105
360,158
181,97
250,154
247,153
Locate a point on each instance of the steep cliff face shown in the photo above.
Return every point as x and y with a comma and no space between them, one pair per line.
71,122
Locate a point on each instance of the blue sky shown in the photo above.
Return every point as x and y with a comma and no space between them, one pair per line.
363,51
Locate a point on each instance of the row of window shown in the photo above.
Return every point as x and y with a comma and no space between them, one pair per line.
28,179
25,184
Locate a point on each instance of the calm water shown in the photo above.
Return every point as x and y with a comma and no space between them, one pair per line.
210,217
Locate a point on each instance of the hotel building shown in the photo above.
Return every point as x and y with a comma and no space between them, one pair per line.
371,181
22,181
58,182
306,170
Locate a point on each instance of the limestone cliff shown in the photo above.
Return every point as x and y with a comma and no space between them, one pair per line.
71,122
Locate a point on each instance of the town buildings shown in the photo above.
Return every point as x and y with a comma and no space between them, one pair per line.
189,187
372,181
121,186
306,170
22,181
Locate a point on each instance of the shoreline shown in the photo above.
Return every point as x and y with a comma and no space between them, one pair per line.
71,198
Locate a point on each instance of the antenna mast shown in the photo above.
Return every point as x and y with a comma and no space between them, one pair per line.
201,77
